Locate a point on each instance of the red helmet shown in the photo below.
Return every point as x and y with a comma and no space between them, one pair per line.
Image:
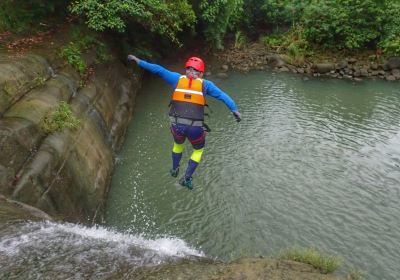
196,63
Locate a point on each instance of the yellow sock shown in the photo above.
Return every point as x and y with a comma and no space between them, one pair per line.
196,155
178,148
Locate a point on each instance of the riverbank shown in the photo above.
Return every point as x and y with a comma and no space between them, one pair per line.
355,66
245,268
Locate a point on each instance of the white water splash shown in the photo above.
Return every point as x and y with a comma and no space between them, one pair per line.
48,250
71,237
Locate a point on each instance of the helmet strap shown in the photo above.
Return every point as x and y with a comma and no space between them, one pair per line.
190,80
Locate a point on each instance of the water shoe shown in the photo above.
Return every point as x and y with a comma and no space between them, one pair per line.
174,172
186,182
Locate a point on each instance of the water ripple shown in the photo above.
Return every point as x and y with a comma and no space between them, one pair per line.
313,163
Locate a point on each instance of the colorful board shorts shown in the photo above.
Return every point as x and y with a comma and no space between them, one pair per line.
195,134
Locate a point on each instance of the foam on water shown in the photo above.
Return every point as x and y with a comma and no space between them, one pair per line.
49,250
38,236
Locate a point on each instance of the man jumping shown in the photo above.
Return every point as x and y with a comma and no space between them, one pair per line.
187,110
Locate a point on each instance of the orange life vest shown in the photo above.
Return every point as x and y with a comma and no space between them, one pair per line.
188,99
189,91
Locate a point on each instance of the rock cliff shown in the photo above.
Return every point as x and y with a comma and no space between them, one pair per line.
65,173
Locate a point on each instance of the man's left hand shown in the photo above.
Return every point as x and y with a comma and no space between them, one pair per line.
237,116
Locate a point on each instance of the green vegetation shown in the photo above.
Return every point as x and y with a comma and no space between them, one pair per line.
311,256
9,89
355,274
73,54
273,41
281,14
390,42
240,40
165,18
59,119
292,42
83,41
332,24
346,25
39,81
217,17
20,15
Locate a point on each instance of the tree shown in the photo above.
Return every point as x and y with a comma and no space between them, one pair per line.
218,16
166,18
349,24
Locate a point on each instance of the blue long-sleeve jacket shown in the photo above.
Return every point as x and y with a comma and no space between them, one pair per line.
172,79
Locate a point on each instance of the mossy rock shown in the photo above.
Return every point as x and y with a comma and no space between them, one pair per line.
36,104
19,138
18,76
13,211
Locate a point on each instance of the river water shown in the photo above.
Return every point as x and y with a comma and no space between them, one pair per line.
314,163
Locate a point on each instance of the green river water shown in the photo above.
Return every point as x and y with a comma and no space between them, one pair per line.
314,163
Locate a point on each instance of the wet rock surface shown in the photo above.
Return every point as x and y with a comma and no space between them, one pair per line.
393,63
12,211
323,68
64,173
19,75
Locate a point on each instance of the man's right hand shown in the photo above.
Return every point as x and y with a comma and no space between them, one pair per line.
131,57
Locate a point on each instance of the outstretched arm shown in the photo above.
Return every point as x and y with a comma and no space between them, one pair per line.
170,77
211,89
